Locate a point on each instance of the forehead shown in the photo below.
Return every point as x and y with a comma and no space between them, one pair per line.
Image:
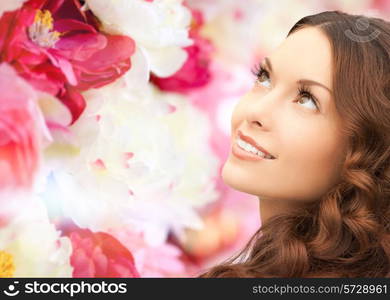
306,54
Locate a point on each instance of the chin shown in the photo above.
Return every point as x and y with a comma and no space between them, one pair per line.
238,179
228,175
235,179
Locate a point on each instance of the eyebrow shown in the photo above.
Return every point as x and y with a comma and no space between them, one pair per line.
301,81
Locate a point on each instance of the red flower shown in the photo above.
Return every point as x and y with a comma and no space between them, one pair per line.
195,72
21,131
57,47
100,255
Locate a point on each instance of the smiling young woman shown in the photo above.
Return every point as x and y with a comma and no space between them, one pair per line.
312,141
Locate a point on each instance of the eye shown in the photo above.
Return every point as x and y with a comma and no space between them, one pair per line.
305,94
262,76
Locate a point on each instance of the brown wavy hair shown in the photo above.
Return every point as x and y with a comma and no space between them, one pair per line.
346,233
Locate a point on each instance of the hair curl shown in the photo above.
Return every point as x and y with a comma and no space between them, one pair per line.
346,233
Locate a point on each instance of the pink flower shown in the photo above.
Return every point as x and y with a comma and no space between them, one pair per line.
195,72
381,5
163,260
57,47
100,255
21,130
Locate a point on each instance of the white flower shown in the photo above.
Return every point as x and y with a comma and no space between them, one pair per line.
159,28
254,25
30,246
10,5
130,162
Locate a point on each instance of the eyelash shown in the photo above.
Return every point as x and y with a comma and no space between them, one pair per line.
303,90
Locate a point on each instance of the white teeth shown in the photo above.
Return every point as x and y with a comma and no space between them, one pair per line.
248,147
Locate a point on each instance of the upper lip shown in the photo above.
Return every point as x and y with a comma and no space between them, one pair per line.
251,141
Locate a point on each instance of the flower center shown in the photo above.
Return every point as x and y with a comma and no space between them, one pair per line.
7,267
41,31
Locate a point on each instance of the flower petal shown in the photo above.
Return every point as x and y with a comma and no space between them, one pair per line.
138,75
167,61
65,66
74,101
81,46
64,25
106,65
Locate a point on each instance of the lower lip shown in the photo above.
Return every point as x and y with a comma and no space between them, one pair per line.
242,154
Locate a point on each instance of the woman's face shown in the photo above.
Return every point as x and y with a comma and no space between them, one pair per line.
306,141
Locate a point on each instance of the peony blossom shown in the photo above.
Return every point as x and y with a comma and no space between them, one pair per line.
99,255
22,130
382,7
30,246
195,72
160,29
56,46
135,159
152,261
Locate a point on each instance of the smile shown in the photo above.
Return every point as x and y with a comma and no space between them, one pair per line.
248,147
244,150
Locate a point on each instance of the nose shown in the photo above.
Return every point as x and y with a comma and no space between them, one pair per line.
261,110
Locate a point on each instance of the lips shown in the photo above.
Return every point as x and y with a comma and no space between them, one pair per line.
251,141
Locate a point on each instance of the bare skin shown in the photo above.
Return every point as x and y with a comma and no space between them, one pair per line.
306,141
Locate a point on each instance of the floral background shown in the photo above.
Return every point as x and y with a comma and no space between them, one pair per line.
114,126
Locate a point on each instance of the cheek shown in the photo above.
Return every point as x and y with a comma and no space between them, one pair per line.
311,159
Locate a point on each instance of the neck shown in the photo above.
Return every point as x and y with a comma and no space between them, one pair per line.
272,207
